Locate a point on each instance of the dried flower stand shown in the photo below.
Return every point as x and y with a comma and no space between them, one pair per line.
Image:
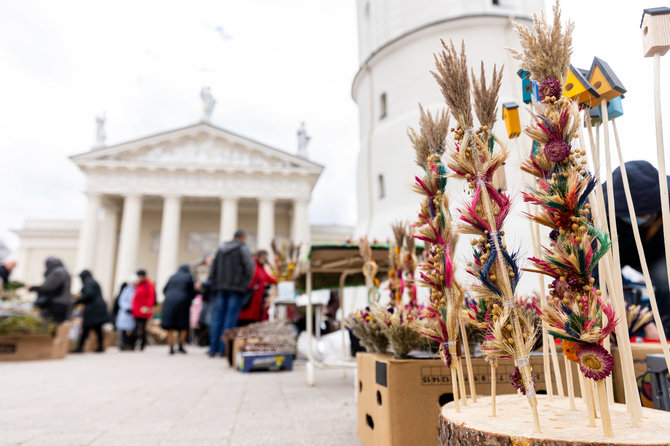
560,425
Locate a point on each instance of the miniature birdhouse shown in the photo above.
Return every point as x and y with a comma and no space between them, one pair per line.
526,86
604,80
511,118
655,27
595,115
536,148
578,88
614,110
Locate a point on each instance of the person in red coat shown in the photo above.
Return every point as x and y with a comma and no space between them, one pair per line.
141,308
255,310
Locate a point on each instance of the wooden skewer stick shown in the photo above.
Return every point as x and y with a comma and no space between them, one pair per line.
493,390
604,409
665,201
568,377
468,360
594,395
607,344
454,387
587,396
614,283
461,380
620,305
640,249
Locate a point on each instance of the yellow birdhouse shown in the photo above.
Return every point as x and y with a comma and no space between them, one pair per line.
655,27
511,118
578,88
604,80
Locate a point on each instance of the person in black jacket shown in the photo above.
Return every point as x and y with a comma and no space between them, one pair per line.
5,270
53,296
645,192
95,310
179,293
230,274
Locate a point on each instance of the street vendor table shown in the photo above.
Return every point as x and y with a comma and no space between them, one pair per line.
329,266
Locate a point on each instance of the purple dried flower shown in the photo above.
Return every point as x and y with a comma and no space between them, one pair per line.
517,381
548,88
556,150
594,361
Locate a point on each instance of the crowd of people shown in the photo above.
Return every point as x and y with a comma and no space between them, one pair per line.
234,293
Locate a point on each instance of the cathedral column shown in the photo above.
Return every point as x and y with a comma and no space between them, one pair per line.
129,239
300,231
168,250
106,251
87,236
228,225
266,223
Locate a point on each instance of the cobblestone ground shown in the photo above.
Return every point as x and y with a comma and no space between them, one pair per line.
150,398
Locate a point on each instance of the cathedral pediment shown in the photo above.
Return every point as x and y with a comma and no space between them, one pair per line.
200,146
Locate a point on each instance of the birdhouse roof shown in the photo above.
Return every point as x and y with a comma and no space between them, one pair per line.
654,11
613,80
582,77
510,105
520,72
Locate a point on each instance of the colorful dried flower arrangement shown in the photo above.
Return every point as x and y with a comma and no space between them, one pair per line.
396,270
475,159
370,269
575,311
285,260
368,330
397,322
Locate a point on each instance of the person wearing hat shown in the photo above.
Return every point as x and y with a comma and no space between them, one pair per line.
53,296
645,192
142,306
95,310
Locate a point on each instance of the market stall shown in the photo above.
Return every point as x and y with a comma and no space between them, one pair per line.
334,266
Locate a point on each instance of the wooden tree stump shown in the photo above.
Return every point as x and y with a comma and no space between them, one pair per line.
513,426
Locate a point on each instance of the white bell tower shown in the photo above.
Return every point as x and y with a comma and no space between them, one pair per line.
397,39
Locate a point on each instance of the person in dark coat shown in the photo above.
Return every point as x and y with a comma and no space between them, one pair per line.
230,274
645,192
179,292
5,270
205,317
95,310
53,296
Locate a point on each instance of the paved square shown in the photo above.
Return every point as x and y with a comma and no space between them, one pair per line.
151,398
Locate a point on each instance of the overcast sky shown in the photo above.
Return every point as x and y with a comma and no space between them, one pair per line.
270,64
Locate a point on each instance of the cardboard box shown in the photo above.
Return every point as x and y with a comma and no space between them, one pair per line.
640,352
264,361
399,400
35,347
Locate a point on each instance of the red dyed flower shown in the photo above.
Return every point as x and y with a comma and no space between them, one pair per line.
548,88
556,150
594,361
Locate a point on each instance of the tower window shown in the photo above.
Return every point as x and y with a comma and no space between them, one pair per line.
382,190
382,106
496,2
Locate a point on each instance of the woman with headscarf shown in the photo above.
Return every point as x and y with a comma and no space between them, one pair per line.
95,310
179,292
53,296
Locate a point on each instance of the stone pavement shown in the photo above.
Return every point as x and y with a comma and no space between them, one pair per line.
150,398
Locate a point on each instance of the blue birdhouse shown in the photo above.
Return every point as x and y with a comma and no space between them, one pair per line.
536,148
525,85
614,110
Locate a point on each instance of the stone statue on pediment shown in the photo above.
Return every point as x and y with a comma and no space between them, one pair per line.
100,134
303,140
208,103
